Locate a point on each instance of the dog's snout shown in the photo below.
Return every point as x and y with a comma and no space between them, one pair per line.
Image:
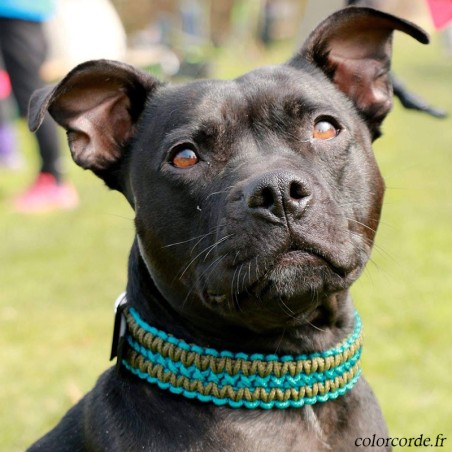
278,195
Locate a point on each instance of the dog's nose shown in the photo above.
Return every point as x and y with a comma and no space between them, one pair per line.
277,194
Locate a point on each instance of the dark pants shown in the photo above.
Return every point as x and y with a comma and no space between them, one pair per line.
23,48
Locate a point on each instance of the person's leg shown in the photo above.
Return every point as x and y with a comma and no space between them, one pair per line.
24,49
9,157
49,148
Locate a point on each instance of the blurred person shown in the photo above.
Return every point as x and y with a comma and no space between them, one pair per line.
102,36
441,13
9,157
317,10
407,98
23,48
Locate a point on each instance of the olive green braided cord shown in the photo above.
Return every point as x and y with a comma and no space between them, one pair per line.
239,379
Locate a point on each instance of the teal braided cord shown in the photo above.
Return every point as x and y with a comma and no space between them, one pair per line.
239,380
257,356
245,403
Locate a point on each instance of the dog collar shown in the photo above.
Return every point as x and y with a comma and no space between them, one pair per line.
238,379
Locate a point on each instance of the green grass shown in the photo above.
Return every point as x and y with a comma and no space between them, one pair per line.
406,291
61,272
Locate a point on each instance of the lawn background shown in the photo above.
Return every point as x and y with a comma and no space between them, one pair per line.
60,273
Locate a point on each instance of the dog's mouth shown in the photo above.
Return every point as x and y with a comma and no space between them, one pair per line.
291,283
309,256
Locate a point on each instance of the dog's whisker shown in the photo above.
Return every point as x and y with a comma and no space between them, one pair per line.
214,230
361,224
281,338
189,240
375,264
238,279
315,326
226,190
235,257
257,268
185,300
217,243
232,281
209,248
233,295
244,277
237,291
287,309
122,217
213,265
375,246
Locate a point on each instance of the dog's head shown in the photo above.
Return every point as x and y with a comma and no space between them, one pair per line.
258,198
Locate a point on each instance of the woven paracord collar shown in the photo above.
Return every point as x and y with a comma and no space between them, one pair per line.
241,380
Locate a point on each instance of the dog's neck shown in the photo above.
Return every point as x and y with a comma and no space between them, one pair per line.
327,325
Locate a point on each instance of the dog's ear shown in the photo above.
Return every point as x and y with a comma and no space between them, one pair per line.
98,103
353,48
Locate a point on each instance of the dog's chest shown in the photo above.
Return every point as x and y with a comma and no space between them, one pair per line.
298,430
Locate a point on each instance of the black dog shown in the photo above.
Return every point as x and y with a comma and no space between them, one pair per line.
257,202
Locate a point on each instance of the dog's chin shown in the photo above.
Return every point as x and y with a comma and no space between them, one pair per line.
283,295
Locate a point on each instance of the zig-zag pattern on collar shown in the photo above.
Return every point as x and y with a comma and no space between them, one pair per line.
237,379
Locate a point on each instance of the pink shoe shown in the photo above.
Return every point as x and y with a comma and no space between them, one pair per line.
45,195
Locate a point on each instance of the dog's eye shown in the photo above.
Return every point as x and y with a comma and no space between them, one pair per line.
185,158
324,130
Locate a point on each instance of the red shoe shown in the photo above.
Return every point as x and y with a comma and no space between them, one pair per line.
46,195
